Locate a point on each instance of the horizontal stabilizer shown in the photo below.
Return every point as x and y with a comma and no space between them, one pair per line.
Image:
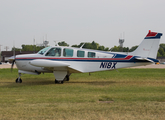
144,59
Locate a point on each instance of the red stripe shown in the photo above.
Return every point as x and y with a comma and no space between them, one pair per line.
129,57
126,58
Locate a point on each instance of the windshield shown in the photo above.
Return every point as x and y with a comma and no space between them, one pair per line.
43,50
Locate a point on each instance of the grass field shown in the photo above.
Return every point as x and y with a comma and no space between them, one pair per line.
127,94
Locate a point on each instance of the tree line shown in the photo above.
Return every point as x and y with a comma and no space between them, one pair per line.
92,45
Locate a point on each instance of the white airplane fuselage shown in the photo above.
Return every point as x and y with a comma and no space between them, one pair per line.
103,61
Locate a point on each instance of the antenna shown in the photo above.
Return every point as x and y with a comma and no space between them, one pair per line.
82,45
56,44
6,47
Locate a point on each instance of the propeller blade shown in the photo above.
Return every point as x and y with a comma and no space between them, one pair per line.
12,65
13,59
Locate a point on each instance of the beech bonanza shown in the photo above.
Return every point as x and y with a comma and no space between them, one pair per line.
63,61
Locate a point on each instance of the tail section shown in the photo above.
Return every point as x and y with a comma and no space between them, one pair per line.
149,46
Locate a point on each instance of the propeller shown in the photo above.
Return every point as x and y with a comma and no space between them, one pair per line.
12,59
12,65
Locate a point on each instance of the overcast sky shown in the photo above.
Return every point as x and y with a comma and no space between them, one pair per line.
76,21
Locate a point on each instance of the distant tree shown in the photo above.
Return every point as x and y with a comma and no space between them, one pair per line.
115,49
159,55
31,48
133,48
75,46
125,49
101,48
87,45
63,43
106,49
118,49
162,45
161,52
16,49
78,46
94,45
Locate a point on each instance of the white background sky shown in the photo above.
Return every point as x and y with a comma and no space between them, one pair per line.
76,21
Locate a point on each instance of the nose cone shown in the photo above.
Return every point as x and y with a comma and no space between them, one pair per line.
12,58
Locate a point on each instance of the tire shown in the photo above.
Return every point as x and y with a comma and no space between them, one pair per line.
18,81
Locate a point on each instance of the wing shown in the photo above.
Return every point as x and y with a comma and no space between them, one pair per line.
51,65
47,63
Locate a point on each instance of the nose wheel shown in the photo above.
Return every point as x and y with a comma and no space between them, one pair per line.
19,80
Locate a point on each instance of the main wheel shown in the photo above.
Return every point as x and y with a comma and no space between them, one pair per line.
18,80
62,82
56,81
66,78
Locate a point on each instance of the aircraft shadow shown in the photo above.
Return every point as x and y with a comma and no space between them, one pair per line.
91,82
49,82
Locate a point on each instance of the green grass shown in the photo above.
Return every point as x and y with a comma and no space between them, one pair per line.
126,94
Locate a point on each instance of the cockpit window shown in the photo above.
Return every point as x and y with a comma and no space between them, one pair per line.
43,50
56,52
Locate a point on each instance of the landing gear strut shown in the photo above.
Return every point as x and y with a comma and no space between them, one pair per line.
19,80
62,81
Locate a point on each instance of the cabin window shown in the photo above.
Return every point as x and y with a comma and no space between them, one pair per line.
56,52
80,53
91,54
68,52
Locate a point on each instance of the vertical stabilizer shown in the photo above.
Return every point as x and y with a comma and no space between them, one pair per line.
149,46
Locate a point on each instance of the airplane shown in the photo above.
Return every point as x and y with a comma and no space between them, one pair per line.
63,61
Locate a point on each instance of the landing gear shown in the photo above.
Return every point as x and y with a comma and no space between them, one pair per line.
66,78
19,80
56,81
62,81
61,76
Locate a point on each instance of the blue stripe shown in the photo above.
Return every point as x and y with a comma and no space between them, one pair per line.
155,60
80,60
120,56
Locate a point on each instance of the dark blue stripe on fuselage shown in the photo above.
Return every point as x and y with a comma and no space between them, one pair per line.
120,56
93,60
